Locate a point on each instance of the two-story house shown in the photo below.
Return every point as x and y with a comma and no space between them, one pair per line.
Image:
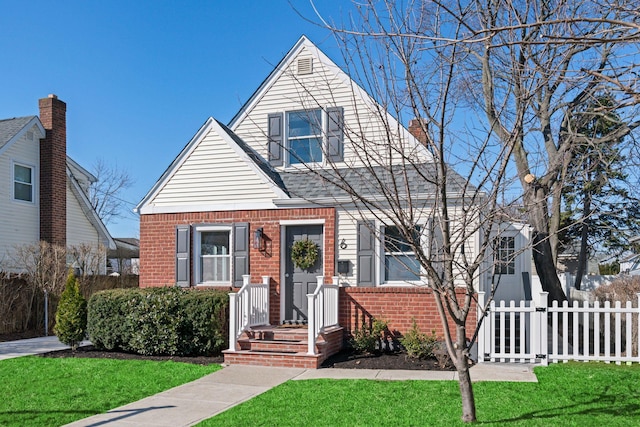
45,196
233,206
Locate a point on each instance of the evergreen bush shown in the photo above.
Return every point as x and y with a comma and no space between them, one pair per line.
71,316
159,321
368,338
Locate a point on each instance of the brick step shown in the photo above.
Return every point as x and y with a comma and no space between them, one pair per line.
278,359
275,333
285,346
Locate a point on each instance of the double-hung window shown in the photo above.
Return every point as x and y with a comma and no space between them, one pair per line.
23,183
304,135
213,246
504,255
400,263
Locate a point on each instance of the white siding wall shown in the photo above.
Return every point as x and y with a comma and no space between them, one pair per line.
79,228
347,230
19,221
323,89
213,174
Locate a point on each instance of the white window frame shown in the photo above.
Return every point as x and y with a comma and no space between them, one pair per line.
383,256
33,182
197,261
323,137
504,258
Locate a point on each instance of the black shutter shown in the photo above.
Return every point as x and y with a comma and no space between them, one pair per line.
335,134
366,254
240,252
276,139
183,242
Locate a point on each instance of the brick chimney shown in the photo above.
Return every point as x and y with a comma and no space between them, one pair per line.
417,128
53,174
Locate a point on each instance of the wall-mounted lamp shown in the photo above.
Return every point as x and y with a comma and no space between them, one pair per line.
343,244
259,241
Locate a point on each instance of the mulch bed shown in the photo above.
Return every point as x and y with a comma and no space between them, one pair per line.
346,359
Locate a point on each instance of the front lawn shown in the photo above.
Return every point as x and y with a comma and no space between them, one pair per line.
574,394
39,391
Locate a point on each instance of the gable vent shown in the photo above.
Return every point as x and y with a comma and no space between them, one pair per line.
305,66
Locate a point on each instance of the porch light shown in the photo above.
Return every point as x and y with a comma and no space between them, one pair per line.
259,241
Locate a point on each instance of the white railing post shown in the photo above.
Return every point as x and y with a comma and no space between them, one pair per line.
482,338
233,320
266,280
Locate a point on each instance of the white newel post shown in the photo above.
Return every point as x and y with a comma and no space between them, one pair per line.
233,316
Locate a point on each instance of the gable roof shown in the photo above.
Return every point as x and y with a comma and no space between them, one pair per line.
12,129
248,156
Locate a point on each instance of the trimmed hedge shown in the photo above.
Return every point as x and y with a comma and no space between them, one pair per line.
159,321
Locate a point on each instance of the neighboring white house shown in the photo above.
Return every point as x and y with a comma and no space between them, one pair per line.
46,196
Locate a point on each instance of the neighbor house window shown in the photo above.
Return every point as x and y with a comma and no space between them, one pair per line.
23,183
400,263
213,246
304,136
505,249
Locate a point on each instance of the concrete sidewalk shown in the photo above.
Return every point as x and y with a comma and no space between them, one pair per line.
191,403
11,349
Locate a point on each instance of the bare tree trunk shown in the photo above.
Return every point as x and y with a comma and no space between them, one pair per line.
464,377
536,204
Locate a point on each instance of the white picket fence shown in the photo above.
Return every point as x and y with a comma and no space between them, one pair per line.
532,332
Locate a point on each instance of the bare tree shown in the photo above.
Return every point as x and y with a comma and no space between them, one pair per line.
106,194
522,66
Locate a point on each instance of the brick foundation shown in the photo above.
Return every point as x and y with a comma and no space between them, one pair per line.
398,306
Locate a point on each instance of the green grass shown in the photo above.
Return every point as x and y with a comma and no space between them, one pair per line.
574,394
38,391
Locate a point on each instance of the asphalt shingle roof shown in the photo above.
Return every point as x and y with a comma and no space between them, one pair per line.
10,127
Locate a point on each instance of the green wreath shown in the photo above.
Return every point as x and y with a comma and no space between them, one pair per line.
304,254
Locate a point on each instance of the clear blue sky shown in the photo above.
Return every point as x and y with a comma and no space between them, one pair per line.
141,77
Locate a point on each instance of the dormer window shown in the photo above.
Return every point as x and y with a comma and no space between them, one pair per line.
304,136
313,136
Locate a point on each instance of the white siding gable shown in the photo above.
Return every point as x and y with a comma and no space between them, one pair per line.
365,122
19,221
79,228
212,173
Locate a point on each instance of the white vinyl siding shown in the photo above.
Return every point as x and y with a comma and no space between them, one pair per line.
213,173
347,233
321,89
79,229
19,221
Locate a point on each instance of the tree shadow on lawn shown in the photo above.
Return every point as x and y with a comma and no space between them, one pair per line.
22,417
614,405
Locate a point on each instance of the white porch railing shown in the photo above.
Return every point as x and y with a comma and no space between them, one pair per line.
248,307
531,332
322,306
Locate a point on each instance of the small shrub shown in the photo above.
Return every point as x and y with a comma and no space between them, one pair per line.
417,343
441,354
369,337
71,317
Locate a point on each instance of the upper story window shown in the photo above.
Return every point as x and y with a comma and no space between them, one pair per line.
400,262
504,255
23,183
304,136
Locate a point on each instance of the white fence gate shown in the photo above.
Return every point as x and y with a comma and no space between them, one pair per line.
534,333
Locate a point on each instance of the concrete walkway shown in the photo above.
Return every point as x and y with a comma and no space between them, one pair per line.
11,349
190,403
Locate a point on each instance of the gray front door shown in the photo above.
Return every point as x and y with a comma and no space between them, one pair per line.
298,283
